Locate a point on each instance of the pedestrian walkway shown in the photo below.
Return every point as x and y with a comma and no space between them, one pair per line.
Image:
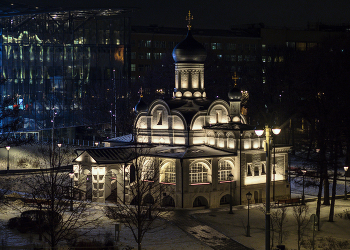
204,233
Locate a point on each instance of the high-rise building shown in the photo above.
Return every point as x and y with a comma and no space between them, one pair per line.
65,67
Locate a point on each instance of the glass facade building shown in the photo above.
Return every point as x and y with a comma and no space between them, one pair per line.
65,69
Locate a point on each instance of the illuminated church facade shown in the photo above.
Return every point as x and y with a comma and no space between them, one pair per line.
205,149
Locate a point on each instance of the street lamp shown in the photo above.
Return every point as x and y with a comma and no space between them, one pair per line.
71,176
249,196
345,192
59,154
8,158
267,148
230,177
303,197
275,131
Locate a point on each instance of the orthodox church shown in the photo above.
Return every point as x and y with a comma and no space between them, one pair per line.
205,150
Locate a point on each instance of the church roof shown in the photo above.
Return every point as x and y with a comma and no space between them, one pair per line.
191,152
230,126
122,154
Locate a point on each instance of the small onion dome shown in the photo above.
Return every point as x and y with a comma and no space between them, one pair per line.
189,50
235,94
141,106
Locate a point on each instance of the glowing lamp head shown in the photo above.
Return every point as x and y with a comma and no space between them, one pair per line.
71,175
346,168
276,131
249,196
8,148
303,171
259,132
59,145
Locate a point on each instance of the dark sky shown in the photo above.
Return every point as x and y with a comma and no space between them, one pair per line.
222,13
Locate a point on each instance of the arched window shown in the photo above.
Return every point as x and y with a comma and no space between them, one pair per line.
249,169
199,172
256,171
225,169
263,168
147,170
168,173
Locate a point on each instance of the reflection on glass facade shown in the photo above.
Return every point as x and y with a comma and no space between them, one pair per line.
66,68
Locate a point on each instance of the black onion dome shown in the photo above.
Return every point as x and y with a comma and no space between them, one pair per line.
235,94
189,50
141,106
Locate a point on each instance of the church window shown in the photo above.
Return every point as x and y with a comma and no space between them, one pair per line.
263,168
256,171
225,169
147,170
169,173
160,118
249,169
198,173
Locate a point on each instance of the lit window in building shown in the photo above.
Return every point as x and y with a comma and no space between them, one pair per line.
219,56
301,46
225,169
133,67
198,173
148,56
148,43
213,46
240,58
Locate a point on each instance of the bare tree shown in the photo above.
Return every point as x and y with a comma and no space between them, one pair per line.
300,213
278,218
144,205
51,192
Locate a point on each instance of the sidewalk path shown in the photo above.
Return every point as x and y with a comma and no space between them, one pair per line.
204,233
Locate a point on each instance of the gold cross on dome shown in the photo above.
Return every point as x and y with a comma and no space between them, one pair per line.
235,77
189,18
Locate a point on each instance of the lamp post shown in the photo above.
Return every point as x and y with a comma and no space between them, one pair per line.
275,131
59,154
267,148
249,196
303,196
230,177
8,158
345,192
71,176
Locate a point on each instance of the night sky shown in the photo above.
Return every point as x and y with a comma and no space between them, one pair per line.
222,13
